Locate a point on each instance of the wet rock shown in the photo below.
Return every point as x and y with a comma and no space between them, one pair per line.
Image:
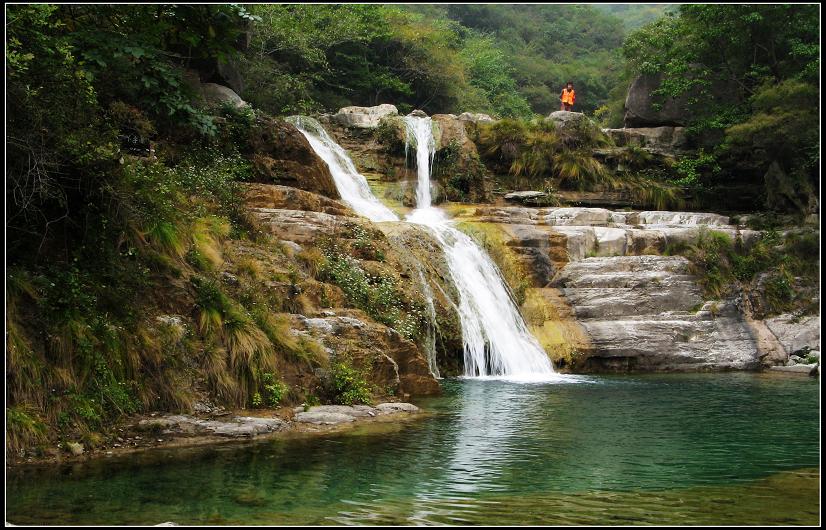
239,426
393,408
364,117
323,418
418,113
282,155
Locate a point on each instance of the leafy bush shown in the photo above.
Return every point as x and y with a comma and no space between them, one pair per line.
347,385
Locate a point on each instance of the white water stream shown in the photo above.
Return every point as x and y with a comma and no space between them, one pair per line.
351,185
496,339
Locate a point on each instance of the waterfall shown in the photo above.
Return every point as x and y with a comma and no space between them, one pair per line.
430,332
351,185
496,339
419,135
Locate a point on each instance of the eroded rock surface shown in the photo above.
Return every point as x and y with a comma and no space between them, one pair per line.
639,310
282,155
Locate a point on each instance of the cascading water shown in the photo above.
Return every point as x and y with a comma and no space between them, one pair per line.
496,339
419,135
355,191
350,183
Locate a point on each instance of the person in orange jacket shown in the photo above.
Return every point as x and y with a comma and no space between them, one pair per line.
568,96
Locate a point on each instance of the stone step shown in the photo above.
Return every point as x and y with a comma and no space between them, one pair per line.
613,303
625,264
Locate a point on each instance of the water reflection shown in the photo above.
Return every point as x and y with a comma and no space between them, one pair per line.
655,449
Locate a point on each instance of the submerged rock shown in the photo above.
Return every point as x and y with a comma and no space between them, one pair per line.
808,369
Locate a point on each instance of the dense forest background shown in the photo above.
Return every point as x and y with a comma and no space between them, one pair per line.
508,61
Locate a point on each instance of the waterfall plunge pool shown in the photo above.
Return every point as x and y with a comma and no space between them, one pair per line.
733,448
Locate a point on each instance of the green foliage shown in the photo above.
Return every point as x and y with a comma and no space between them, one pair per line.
346,384
23,429
462,174
693,170
537,149
783,126
750,75
492,78
777,268
438,58
378,296
274,391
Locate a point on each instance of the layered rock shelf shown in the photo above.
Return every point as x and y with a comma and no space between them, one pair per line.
637,309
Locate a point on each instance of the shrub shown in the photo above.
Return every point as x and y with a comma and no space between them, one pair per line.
347,385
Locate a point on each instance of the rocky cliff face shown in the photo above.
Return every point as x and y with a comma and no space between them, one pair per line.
304,222
625,306
281,155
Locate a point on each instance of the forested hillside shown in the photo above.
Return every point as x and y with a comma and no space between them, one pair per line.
504,60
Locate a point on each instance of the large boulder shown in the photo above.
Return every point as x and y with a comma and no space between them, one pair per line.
648,313
269,196
566,120
282,155
364,117
216,95
640,109
448,129
665,138
796,334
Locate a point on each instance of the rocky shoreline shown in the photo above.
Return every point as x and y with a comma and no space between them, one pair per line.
218,426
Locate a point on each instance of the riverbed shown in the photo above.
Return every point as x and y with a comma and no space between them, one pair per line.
732,448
